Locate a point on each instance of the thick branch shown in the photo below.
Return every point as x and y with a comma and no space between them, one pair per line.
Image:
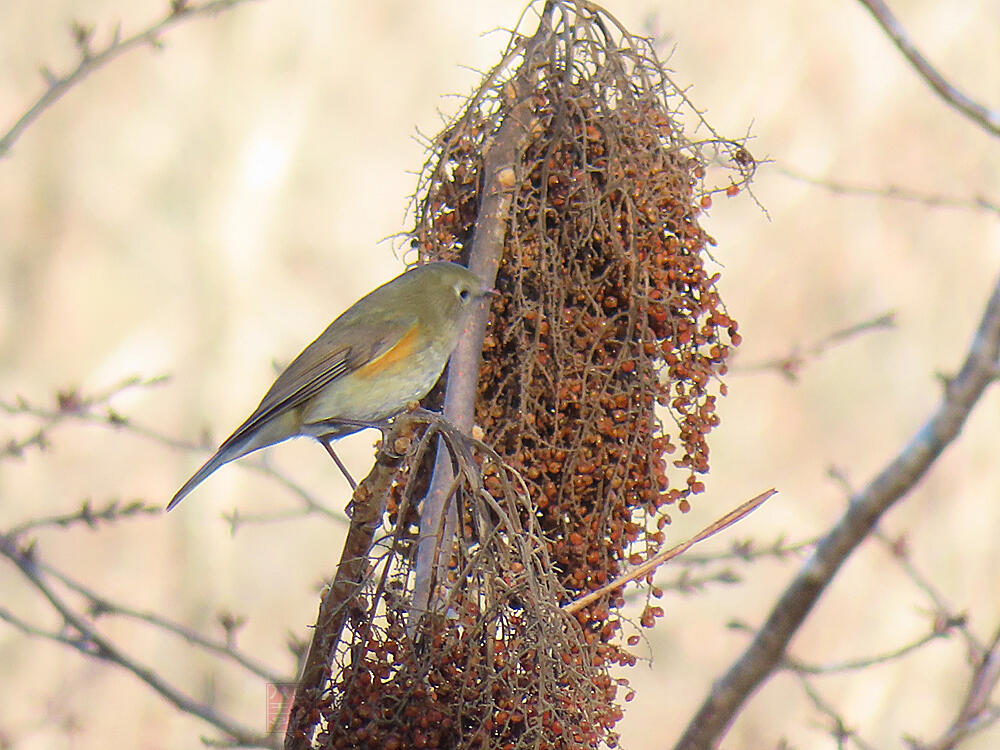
499,169
767,649
369,504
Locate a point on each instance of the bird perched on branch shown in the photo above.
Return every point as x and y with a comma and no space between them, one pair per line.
386,350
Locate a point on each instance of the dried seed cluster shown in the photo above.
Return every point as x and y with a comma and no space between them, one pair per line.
497,665
598,386
603,356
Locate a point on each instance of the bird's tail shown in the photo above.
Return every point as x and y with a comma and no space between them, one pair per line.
224,455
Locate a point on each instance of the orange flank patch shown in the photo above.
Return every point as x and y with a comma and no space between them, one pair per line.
395,355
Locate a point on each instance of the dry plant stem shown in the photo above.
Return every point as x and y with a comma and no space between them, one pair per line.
369,504
90,642
644,569
91,61
766,651
986,118
484,261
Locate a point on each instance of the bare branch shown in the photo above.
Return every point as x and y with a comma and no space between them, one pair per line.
484,260
99,605
765,652
938,630
791,364
978,710
91,60
895,192
87,516
97,410
33,630
687,582
943,612
840,731
369,504
90,642
987,119
746,550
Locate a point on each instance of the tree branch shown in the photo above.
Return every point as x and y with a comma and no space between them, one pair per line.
792,363
978,710
895,192
987,119
100,605
91,61
97,410
499,164
766,651
87,640
369,505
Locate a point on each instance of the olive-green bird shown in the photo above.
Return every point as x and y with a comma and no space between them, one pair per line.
386,350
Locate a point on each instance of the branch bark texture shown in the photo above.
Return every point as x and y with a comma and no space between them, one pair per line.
463,367
987,119
369,505
766,650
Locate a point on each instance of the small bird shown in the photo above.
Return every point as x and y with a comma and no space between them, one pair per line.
386,350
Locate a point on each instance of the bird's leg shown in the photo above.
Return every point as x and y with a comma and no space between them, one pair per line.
382,426
340,464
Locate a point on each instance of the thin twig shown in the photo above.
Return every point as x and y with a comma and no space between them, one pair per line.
747,550
940,630
91,60
978,710
840,730
90,642
87,516
688,582
96,410
100,605
943,612
27,628
895,192
791,364
987,119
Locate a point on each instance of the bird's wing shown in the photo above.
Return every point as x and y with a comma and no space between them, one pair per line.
322,362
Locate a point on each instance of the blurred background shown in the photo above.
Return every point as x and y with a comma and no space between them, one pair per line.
204,210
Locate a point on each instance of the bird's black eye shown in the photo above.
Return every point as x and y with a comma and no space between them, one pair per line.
464,294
